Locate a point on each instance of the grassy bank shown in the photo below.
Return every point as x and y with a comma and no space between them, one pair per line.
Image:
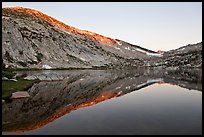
9,87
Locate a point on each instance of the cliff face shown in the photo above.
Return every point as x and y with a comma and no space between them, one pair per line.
31,39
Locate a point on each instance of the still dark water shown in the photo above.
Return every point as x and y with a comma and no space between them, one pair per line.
139,102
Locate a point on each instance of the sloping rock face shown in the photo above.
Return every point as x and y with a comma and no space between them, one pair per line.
19,94
189,56
32,39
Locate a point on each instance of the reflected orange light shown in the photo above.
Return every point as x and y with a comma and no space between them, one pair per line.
102,97
60,25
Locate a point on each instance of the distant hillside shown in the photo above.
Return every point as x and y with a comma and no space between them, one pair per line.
32,39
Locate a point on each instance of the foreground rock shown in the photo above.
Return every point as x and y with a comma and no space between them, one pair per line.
5,78
19,94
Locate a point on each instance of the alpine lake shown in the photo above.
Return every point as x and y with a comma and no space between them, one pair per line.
146,101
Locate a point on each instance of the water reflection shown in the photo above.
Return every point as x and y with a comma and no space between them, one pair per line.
65,91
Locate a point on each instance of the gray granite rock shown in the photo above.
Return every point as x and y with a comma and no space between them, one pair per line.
13,80
5,78
19,94
31,39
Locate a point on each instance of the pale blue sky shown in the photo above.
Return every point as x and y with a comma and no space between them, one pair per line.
152,25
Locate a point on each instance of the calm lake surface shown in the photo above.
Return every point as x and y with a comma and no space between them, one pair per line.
114,102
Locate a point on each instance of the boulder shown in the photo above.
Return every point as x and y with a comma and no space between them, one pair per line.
19,94
13,80
5,78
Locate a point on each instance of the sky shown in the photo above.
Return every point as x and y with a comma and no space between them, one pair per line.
152,25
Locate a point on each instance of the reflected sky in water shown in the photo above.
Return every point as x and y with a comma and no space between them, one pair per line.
157,109
140,102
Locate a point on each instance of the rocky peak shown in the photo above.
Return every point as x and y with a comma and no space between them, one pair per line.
88,34
32,39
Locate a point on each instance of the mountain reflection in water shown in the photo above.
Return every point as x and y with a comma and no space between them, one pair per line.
64,91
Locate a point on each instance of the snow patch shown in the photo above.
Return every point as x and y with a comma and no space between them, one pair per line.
67,32
120,92
4,17
154,80
148,53
46,67
35,59
30,78
182,49
140,50
128,48
154,54
117,88
128,87
117,48
83,59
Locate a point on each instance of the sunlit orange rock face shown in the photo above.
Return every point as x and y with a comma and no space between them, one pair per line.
102,97
84,33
